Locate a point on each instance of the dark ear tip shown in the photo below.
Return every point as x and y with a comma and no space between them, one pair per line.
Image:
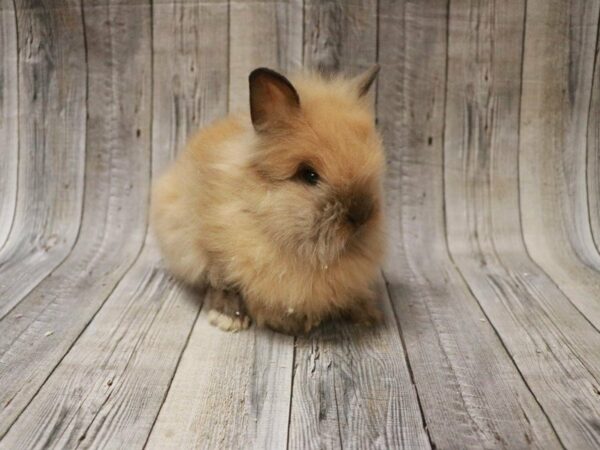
272,76
367,78
259,71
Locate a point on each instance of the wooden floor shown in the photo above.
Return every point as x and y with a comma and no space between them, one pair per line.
490,113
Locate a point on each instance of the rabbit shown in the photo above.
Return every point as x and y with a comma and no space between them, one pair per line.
279,213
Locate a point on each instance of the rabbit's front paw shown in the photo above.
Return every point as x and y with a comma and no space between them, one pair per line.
364,312
227,310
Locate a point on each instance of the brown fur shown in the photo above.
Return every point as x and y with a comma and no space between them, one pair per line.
231,211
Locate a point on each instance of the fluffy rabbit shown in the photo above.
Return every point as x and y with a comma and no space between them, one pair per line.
280,213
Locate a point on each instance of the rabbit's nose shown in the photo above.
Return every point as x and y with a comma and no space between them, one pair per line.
359,210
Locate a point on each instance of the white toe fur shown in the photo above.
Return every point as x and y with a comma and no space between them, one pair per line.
227,323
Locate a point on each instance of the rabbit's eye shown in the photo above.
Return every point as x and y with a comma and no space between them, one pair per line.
308,175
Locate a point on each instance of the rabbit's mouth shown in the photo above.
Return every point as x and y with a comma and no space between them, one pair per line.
334,231
325,246
328,234
333,243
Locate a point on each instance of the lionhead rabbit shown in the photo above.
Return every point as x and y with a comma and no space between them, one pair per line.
280,213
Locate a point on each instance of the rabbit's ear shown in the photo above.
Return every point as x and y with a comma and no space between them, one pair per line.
272,98
364,81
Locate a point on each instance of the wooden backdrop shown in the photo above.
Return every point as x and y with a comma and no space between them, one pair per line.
490,113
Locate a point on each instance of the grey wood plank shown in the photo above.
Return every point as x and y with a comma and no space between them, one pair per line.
9,117
148,318
38,332
212,402
340,35
190,48
593,148
52,90
494,348
107,390
262,34
555,151
553,345
352,389
471,394
230,391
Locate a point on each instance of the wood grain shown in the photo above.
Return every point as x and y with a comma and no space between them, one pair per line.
340,36
557,152
593,148
51,146
553,345
490,113
274,40
352,389
351,385
109,387
114,219
9,114
471,393
230,391
234,391
191,66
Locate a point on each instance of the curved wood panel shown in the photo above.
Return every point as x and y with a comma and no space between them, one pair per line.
348,386
212,401
557,152
51,146
273,40
453,350
537,323
114,218
9,114
209,396
490,115
593,148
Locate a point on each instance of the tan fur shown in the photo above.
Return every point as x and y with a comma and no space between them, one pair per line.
230,211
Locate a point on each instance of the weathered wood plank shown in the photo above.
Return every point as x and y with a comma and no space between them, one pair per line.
500,348
190,49
262,34
147,319
114,219
9,117
554,347
340,35
233,391
230,391
107,390
52,89
555,153
471,393
352,389
593,148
